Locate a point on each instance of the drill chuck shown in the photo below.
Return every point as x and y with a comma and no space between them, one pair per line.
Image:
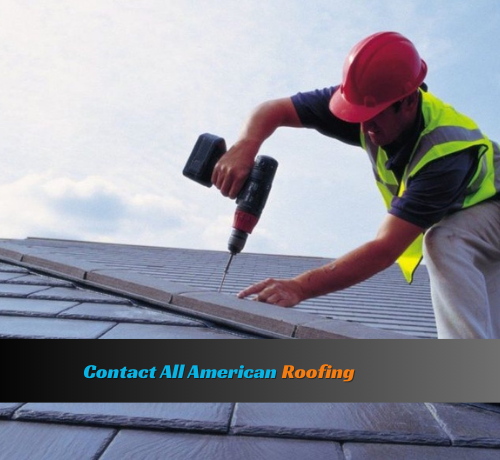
237,241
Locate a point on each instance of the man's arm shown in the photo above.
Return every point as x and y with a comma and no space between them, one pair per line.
233,168
393,237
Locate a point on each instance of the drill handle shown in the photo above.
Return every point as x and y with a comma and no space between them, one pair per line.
255,191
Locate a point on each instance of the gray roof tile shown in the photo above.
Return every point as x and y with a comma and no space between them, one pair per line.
126,313
328,329
72,294
467,426
138,285
51,328
149,331
235,311
33,307
375,422
9,276
40,280
208,417
37,441
180,446
19,290
7,409
362,451
12,268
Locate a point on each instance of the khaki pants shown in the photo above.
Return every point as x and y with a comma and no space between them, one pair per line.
462,254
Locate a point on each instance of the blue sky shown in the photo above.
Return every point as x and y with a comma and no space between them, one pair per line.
103,100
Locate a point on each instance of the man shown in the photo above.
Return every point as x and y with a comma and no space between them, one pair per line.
438,175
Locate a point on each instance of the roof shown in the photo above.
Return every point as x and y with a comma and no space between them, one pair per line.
186,282
333,431
39,306
64,289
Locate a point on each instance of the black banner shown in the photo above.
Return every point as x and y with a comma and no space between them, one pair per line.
251,371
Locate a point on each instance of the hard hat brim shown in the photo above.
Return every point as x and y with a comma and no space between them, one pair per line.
353,113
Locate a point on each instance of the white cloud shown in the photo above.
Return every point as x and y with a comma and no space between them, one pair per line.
90,209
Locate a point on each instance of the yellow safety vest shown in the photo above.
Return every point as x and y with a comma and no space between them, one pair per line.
446,132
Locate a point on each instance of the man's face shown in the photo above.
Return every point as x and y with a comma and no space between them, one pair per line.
386,127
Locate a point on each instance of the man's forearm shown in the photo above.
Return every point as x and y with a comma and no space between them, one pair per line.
354,267
350,269
266,118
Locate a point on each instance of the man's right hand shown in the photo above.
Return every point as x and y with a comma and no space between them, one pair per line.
234,167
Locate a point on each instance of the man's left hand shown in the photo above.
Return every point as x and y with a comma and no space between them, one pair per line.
284,293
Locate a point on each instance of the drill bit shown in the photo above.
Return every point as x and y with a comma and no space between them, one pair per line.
225,271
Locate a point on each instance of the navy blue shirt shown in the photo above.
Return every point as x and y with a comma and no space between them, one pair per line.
437,190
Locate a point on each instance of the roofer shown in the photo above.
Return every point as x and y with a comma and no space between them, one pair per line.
439,176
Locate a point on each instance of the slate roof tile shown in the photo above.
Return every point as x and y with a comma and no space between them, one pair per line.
468,427
9,276
33,307
120,312
7,409
149,331
207,417
21,441
354,451
13,269
51,328
64,293
19,290
139,286
40,280
375,422
235,311
180,446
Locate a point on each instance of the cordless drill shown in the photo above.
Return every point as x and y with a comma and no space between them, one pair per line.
250,200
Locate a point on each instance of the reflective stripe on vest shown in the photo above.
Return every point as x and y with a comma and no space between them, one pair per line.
446,132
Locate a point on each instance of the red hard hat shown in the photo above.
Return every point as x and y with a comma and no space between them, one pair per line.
380,70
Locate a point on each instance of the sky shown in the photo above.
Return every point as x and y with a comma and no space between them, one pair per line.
102,101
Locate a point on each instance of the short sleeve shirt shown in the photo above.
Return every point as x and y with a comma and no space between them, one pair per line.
437,190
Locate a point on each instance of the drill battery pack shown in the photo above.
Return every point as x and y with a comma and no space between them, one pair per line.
206,153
